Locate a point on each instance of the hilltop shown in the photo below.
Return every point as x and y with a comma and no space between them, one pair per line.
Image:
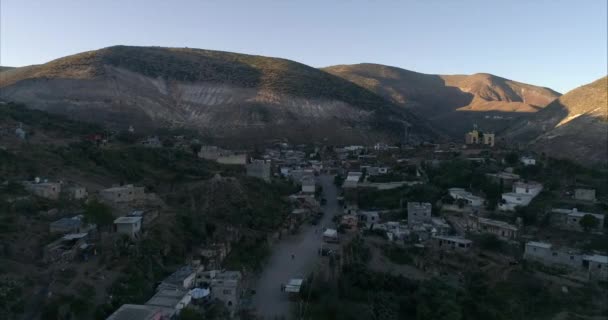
575,126
451,102
232,96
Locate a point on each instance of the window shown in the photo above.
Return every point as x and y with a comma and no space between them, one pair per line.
533,249
571,257
555,254
461,245
227,291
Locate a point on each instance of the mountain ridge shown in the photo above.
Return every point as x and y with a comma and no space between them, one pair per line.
221,93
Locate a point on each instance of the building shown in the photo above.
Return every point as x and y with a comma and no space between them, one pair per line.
472,137
66,248
584,194
130,226
352,179
77,192
501,229
506,178
126,193
349,222
152,142
139,312
73,224
594,267
308,184
527,161
522,195
225,286
570,219
44,189
369,217
170,301
450,243
259,169
418,213
489,139
469,198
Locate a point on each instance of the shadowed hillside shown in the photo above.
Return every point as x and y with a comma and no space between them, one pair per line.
452,102
575,126
222,94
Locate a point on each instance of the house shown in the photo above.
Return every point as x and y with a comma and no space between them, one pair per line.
77,192
584,194
472,137
501,229
527,161
522,195
350,208
451,243
44,189
259,169
215,254
140,312
595,267
182,279
330,235
418,213
171,301
20,133
147,216
225,286
293,287
352,179
130,226
66,248
350,222
369,217
126,193
73,224
469,198
308,184
152,142
570,219
489,139
506,178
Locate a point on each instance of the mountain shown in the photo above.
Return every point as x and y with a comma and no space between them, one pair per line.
453,103
230,96
575,126
5,68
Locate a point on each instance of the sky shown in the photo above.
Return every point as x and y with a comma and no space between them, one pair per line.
554,43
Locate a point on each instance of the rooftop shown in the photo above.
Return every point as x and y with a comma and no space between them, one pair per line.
136,312
453,238
540,244
127,220
597,258
497,223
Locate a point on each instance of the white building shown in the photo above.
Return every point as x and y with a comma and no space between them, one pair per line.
308,184
259,169
130,226
469,198
451,243
584,194
44,189
595,267
527,161
570,218
501,229
522,195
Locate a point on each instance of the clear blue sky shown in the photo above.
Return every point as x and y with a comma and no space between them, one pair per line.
554,43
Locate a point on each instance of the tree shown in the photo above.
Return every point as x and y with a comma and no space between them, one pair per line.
99,213
511,158
589,222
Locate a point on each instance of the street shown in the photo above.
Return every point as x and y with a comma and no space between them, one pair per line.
269,301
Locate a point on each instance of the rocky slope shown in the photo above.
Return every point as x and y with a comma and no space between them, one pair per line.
451,102
227,95
575,126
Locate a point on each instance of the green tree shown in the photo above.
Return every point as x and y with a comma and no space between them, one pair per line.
99,213
589,222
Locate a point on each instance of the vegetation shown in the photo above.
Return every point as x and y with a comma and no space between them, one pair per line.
589,222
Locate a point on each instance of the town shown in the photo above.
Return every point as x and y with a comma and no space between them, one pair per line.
166,226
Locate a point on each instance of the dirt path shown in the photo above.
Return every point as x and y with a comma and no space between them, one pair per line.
269,302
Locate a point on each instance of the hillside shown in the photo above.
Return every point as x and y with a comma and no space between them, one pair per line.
575,126
5,68
451,102
226,95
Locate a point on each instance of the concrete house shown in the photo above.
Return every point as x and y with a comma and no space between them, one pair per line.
570,219
594,267
472,137
130,226
522,195
469,198
77,192
527,161
44,189
489,139
308,184
171,301
506,178
369,217
418,213
450,243
259,169
126,193
350,222
140,312
73,224
225,286
584,194
501,229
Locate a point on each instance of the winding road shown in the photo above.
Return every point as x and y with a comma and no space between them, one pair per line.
269,302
